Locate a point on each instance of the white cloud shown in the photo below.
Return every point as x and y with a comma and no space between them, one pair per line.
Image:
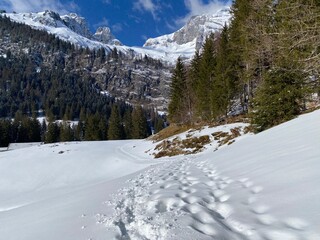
147,5
144,37
106,1
38,5
198,7
117,27
103,23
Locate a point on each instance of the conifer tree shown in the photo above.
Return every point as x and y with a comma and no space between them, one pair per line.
223,87
204,88
92,128
239,43
53,132
279,98
66,132
193,83
127,123
115,128
178,104
139,124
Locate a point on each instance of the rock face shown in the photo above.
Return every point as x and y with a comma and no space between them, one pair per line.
77,24
136,79
131,74
48,18
104,35
193,33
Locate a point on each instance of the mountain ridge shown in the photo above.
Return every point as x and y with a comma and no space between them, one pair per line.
167,48
193,33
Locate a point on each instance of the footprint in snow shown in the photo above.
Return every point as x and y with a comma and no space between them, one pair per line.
266,219
256,189
260,209
296,224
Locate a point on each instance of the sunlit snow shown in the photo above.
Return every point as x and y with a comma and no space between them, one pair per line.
262,187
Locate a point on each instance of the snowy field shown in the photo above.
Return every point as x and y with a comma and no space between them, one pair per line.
262,187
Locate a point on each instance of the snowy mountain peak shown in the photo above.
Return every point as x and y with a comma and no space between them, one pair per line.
77,24
48,18
74,29
193,33
70,27
103,34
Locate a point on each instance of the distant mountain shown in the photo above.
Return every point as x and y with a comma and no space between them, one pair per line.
71,28
191,36
167,48
138,75
104,35
74,29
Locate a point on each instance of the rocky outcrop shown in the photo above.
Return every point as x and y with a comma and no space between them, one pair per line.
77,24
104,35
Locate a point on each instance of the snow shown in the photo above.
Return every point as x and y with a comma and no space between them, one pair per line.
164,48
185,39
262,187
43,21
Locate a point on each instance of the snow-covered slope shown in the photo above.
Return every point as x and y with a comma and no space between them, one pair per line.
262,187
191,36
71,27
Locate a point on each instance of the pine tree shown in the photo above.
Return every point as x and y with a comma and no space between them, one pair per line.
92,128
115,129
204,88
178,107
279,98
127,123
139,124
193,83
239,44
66,132
223,88
53,133
102,128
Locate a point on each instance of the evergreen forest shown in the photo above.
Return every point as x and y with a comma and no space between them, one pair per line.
265,65
42,79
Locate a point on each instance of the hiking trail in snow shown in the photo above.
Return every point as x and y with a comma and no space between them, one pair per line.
192,199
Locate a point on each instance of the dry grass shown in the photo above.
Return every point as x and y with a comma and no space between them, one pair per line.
170,131
191,145
224,138
177,146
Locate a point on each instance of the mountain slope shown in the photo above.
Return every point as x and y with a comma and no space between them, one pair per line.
71,27
191,36
37,55
264,187
74,29
167,48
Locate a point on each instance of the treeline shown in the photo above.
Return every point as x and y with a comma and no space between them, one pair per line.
265,63
123,123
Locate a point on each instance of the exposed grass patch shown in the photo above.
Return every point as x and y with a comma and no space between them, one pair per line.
178,146
224,138
170,131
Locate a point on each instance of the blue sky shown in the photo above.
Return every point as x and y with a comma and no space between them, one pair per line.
131,21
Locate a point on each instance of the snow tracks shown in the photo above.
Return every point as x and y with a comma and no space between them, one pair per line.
187,199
